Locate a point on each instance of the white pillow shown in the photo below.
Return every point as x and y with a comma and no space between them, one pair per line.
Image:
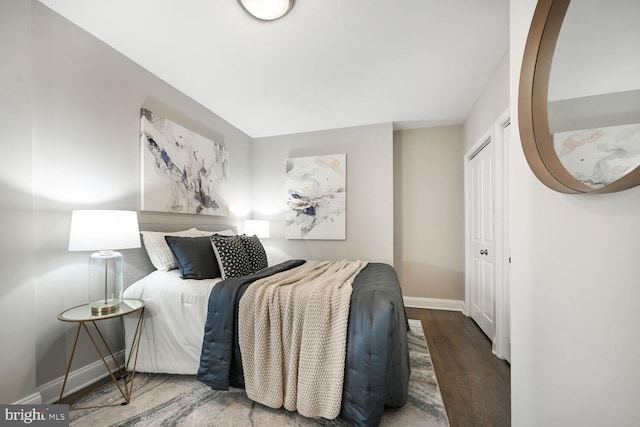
158,250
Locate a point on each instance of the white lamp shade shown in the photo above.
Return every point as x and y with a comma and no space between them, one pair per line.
258,227
267,10
101,230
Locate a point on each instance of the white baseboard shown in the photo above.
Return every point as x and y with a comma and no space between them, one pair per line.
78,379
34,399
434,303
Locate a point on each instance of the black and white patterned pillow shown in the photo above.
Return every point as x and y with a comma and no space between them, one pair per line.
255,252
231,256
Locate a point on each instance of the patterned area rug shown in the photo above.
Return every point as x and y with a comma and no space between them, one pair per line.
181,400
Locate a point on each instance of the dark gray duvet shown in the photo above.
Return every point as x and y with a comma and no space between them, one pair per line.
377,361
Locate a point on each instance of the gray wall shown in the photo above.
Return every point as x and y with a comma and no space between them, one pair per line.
17,260
575,289
369,151
80,147
429,212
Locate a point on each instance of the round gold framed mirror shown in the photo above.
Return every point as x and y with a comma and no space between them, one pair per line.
579,96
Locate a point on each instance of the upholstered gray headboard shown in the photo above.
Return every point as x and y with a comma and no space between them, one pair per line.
136,261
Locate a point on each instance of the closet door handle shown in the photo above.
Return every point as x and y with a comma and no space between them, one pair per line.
484,251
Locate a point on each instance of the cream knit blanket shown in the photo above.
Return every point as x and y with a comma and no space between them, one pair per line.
293,334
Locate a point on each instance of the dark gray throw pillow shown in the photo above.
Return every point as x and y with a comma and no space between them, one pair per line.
255,252
195,257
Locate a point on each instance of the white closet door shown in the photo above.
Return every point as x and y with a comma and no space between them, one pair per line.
482,236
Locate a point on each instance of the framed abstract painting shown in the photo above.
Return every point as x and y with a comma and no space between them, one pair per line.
316,197
181,171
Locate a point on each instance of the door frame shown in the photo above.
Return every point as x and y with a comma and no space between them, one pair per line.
494,134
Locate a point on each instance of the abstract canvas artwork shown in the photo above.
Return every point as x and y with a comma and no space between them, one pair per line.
600,156
181,172
316,197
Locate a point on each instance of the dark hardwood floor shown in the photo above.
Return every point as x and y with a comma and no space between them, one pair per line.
475,384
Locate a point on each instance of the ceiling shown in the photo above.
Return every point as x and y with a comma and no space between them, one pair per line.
328,64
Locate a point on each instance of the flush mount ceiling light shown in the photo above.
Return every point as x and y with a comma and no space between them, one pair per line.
267,10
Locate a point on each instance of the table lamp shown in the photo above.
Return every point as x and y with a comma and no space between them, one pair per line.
104,231
259,227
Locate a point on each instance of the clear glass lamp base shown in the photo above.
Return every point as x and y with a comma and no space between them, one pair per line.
105,282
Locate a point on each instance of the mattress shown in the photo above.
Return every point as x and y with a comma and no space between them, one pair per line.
175,315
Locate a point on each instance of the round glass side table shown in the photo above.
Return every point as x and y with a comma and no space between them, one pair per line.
120,375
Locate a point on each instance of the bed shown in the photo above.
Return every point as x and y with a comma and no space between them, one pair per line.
191,326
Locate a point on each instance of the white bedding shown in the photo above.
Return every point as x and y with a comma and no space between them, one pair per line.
175,314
